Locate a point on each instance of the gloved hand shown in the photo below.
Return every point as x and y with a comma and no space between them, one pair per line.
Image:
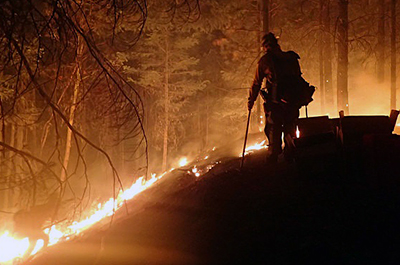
250,104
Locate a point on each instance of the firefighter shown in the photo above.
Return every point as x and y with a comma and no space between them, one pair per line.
277,67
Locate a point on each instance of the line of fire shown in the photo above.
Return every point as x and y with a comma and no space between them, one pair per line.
199,132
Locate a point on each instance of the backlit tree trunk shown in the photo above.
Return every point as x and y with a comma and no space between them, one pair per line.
166,106
265,12
321,56
380,49
3,195
327,53
207,120
68,141
393,56
343,53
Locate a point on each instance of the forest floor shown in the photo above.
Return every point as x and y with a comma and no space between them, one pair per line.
282,214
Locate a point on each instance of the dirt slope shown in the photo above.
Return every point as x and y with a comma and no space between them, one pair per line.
258,215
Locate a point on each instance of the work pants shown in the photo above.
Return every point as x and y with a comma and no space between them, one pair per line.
280,119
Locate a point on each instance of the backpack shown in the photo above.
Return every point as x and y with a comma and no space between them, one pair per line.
294,90
291,88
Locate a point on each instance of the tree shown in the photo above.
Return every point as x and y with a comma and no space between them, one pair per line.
64,89
381,42
393,75
343,53
326,81
167,71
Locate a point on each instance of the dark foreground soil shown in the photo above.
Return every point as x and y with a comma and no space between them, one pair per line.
262,214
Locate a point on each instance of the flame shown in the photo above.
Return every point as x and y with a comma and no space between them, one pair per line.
297,132
252,148
12,248
196,171
183,162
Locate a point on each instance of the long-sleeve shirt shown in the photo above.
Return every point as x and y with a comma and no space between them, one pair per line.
273,66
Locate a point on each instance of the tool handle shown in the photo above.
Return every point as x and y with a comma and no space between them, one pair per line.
245,138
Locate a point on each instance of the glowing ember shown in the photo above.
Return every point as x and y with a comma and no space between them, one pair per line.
257,146
183,162
297,132
205,158
197,172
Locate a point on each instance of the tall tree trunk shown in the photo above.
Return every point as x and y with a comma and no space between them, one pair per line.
265,15
327,53
68,141
380,47
19,144
166,106
343,60
2,128
321,56
3,168
200,127
10,195
206,128
393,56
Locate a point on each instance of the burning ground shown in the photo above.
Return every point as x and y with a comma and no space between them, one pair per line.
261,214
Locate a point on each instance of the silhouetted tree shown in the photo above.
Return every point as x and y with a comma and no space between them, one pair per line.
343,54
393,75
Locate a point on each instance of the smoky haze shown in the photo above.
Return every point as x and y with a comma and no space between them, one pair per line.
115,97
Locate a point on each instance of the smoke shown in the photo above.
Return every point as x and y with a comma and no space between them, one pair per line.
367,96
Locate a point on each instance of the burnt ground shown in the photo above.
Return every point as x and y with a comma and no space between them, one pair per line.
315,213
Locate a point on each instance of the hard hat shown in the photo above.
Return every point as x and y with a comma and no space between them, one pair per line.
269,39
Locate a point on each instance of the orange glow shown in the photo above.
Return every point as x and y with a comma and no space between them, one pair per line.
12,248
252,148
183,162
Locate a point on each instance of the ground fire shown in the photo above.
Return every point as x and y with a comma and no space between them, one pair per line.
12,248
199,132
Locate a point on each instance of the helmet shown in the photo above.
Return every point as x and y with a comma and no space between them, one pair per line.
269,39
